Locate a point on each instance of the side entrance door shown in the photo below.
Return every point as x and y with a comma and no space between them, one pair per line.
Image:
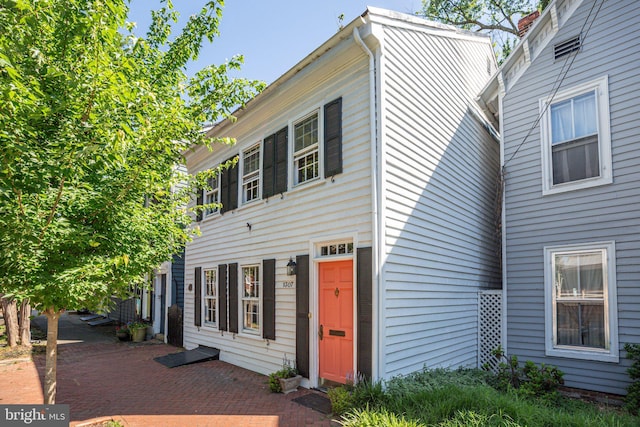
335,330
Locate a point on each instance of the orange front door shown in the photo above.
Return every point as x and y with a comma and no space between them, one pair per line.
335,330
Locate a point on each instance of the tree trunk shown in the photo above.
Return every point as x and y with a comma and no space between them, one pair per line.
25,323
51,364
10,313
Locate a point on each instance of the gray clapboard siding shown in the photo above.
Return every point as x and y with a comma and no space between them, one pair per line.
597,214
438,187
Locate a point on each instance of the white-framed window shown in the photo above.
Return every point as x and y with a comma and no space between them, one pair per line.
212,195
210,296
251,294
581,302
306,149
576,138
340,248
251,174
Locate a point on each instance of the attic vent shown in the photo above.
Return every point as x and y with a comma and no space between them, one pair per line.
566,47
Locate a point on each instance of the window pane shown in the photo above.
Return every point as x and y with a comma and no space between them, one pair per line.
250,282
306,133
251,311
584,112
251,160
561,122
567,284
591,280
579,275
575,160
581,324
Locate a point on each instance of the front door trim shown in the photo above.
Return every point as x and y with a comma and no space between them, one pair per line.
316,259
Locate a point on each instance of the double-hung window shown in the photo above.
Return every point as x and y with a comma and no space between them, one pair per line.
251,174
212,196
576,138
251,294
581,301
210,297
306,149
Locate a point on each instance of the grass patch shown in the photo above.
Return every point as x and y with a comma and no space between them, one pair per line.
444,398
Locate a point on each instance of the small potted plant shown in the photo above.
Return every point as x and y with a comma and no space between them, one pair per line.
286,379
138,331
122,332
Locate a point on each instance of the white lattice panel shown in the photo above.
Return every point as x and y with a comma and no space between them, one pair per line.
489,326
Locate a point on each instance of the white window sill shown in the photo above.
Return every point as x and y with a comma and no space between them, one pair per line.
250,335
593,354
577,185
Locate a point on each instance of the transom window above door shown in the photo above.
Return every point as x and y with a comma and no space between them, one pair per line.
341,248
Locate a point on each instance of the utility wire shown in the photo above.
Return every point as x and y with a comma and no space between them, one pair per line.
559,79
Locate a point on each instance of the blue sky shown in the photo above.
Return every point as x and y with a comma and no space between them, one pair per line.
272,35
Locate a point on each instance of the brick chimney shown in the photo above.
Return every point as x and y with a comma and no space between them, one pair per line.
525,23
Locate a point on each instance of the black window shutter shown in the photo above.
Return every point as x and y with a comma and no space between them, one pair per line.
281,160
199,202
197,297
302,315
233,187
333,138
233,297
365,309
269,299
268,166
222,297
229,188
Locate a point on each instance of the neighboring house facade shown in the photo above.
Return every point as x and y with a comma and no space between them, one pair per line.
162,304
567,105
368,168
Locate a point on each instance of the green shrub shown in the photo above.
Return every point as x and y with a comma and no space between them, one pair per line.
274,384
379,418
366,392
632,399
529,380
341,399
474,419
541,382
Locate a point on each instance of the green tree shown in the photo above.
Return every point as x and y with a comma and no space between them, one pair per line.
93,124
499,18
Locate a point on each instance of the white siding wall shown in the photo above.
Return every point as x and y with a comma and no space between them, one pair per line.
606,213
440,167
283,227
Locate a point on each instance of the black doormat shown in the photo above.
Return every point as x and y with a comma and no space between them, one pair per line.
200,354
316,402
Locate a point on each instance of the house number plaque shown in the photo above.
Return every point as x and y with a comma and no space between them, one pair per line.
288,284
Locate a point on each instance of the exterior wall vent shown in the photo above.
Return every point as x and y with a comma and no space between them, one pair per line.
567,47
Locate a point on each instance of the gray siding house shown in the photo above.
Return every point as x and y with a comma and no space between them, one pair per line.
566,103
368,166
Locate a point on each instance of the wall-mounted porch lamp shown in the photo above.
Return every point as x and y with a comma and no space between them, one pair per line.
291,267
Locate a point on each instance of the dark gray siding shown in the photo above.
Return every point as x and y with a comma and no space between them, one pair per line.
177,280
605,213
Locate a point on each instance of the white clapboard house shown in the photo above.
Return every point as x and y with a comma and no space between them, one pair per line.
357,227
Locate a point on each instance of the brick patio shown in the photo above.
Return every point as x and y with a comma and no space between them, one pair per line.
122,381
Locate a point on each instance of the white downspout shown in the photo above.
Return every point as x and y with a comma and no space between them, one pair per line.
375,295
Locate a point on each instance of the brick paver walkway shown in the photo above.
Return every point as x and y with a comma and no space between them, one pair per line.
122,380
